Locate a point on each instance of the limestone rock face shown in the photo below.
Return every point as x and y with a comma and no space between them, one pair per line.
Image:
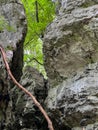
75,101
69,5
70,41
71,61
12,34
26,115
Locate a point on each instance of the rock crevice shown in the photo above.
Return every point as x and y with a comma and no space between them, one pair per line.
13,28
71,61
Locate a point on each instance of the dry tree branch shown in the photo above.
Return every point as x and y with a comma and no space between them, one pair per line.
50,126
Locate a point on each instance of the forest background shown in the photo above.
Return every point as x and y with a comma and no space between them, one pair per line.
39,13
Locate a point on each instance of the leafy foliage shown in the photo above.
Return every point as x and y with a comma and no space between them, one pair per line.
39,14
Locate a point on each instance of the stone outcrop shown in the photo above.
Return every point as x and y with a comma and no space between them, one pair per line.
12,34
26,116
71,61
75,101
70,42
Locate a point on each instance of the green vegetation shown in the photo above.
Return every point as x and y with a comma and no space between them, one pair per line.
2,21
5,25
39,14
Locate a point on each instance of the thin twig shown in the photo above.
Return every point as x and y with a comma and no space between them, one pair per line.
35,61
36,6
50,126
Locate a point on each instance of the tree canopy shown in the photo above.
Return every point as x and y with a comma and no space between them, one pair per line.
39,14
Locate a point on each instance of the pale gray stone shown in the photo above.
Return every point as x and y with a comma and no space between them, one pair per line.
71,62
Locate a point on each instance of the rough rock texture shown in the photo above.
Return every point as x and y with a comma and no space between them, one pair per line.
26,116
75,101
71,55
12,35
70,51
70,42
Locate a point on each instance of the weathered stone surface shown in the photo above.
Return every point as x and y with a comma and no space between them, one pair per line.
70,49
70,43
75,101
14,16
68,5
89,127
71,61
26,115
12,35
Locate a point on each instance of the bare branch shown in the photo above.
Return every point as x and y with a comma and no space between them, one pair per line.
34,59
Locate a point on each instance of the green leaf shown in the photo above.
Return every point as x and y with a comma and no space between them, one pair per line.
37,20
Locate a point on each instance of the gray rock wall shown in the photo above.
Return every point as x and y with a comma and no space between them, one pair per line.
26,116
12,34
71,61
70,42
75,100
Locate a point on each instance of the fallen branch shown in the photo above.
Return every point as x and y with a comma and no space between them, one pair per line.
50,126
